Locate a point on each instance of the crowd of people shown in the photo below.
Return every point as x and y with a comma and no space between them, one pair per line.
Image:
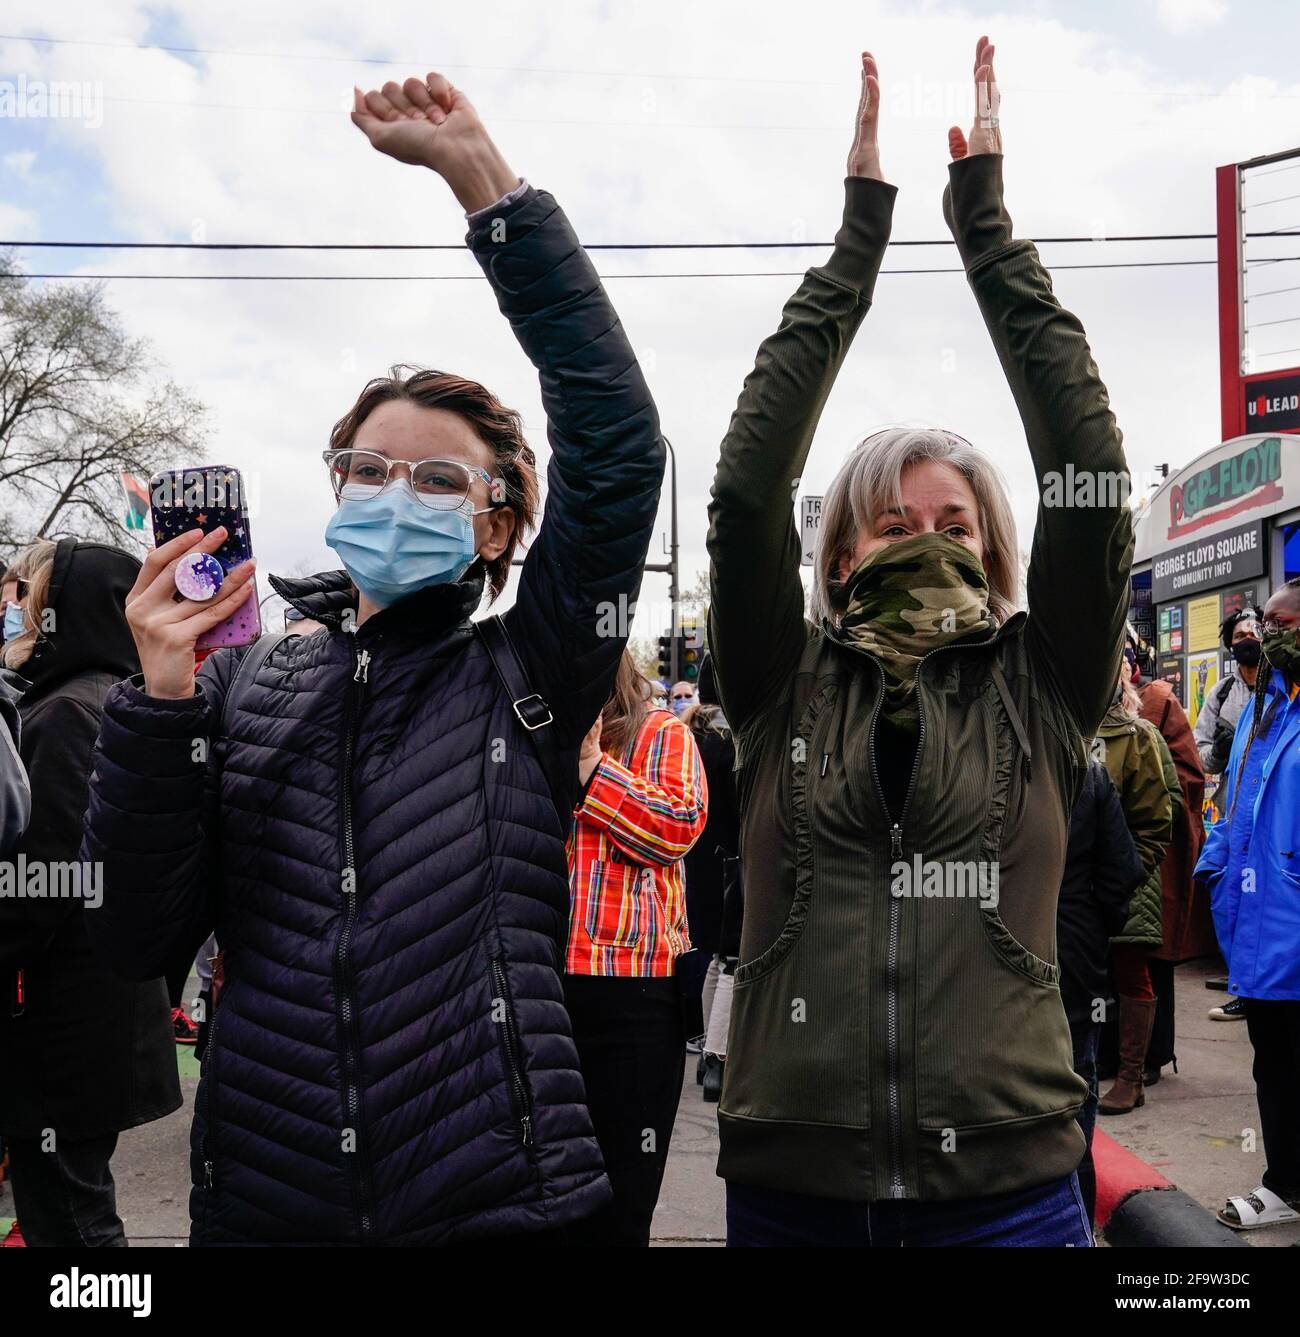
466,891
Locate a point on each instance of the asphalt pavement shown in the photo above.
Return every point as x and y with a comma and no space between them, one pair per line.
1199,1128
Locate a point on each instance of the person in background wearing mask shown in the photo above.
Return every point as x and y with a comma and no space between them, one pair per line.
683,698
84,1054
1251,864
377,836
1216,725
15,790
1217,722
644,804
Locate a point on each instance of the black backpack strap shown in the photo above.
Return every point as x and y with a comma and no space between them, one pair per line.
530,710
246,672
1221,692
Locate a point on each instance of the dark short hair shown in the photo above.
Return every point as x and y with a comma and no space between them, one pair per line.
502,430
1230,623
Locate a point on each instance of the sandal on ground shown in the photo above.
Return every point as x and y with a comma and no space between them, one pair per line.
1260,1208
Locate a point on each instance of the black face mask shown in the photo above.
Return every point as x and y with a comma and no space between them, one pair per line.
1247,653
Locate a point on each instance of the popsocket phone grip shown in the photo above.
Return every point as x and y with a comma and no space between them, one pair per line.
199,576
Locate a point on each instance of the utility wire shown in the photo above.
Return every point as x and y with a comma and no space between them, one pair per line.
473,278
550,70
594,246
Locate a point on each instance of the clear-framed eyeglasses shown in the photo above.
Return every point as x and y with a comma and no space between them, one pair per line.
1270,626
442,485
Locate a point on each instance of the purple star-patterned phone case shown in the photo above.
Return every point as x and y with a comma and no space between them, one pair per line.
203,498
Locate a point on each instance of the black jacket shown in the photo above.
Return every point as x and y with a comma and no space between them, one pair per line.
89,1053
15,792
375,843
1102,871
705,862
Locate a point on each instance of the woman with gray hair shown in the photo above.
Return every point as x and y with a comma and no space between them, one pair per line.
899,1066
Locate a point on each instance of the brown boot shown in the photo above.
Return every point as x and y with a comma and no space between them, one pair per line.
1135,1021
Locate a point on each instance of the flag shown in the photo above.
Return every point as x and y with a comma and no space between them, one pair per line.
137,501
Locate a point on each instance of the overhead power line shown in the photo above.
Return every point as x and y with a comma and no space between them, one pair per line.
472,278
570,72
593,246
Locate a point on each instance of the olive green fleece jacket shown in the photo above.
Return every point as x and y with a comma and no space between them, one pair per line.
1140,763
886,1044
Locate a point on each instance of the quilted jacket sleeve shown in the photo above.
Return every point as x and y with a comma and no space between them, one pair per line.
152,822
1146,796
583,573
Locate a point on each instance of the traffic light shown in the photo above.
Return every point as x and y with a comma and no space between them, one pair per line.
690,650
666,658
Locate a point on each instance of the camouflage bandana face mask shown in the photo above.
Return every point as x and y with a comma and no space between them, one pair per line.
907,599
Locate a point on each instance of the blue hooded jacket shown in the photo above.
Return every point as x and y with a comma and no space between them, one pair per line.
1251,859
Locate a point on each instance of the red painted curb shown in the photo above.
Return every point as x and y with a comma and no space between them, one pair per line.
1119,1175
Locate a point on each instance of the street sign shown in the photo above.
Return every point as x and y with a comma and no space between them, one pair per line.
810,519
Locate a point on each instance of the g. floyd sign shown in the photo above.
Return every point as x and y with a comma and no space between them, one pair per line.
1234,484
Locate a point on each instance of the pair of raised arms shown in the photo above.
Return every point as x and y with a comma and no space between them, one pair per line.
430,123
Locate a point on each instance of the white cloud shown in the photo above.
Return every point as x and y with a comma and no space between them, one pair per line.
16,223
1182,16
726,123
20,163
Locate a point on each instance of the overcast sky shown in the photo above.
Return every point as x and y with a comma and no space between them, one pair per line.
664,122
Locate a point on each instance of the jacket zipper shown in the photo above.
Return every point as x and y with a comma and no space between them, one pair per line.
897,1188
209,1100
514,1067
342,976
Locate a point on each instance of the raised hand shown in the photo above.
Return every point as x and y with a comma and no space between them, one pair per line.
986,133
864,156
430,123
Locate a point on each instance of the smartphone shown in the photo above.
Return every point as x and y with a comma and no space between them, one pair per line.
206,497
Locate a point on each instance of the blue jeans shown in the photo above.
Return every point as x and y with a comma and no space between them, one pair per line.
1084,1039
1051,1215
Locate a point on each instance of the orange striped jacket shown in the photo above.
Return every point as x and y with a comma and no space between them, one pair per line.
639,816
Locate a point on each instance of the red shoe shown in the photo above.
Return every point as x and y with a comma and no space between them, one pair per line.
184,1030
14,1239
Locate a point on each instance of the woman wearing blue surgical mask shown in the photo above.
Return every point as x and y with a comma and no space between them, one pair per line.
373,818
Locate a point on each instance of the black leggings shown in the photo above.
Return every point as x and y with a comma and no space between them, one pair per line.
176,978
630,1039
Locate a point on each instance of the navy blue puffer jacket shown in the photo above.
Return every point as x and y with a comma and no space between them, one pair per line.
374,841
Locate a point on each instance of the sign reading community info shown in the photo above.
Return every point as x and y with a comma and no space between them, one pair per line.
1225,558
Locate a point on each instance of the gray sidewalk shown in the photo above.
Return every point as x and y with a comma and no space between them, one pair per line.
1191,1129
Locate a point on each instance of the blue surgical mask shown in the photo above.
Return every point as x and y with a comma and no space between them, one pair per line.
393,546
15,623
